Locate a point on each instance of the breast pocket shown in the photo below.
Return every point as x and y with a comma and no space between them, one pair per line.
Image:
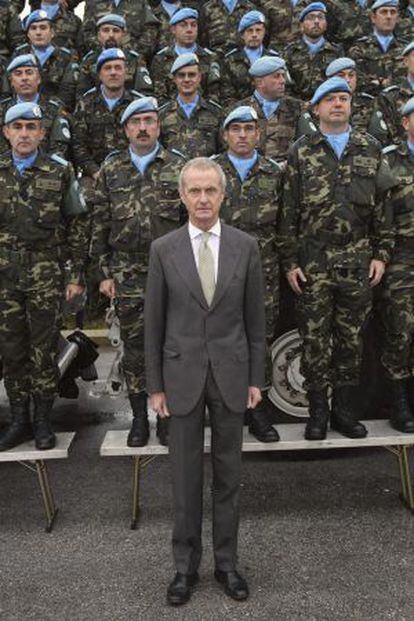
316,190
362,187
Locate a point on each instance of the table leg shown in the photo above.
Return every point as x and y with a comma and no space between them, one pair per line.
50,508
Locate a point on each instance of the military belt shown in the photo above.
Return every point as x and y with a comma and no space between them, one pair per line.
28,257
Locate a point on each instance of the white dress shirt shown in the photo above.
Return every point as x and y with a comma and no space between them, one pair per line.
213,242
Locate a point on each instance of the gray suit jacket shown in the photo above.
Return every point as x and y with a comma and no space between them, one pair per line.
183,335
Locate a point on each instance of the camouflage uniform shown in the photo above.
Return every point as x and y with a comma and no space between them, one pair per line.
68,32
38,235
142,25
164,87
278,132
306,70
56,121
336,217
278,23
390,102
236,82
11,32
196,136
130,211
137,77
377,69
405,26
398,291
218,27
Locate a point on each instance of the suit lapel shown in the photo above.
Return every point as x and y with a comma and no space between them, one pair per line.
228,258
183,258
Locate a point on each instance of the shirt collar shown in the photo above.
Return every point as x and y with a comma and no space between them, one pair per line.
194,231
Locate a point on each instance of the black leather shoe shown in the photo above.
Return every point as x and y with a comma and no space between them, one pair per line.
234,585
259,424
343,418
317,424
139,432
179,591
162,430
20,429
350,429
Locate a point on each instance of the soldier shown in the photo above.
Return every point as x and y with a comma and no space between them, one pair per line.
251,203
219,20
279,17
163,11
307,57
405,27
279,116
57,66
376,55
137,200
184,27
393,98
44,241
67,27
236,81
190,122
335,238
111,31
24,76
398,291
11,33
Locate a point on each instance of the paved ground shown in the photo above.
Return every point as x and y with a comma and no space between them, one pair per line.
322,536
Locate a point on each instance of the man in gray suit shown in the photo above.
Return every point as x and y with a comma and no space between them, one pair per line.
204,346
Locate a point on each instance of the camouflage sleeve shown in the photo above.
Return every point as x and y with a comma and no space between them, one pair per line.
67,88
82,154
99,251
228,90
77,233
61,135
214,84
288,221
383,234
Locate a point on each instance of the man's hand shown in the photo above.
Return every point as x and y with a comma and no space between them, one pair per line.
107,287
376,271
295,277
158,403
72,291
254,397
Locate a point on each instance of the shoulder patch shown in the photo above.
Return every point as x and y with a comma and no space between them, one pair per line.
231,52
59,160
390,148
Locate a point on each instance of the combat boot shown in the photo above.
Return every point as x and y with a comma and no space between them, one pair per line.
318,415
260,426
163,427
20,429
139,433
401,416
44,437
343,418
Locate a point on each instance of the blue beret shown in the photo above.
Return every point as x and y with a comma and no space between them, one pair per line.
24,60
408,49
139,106
242,114
313,6
339,64
378,4
27,110
408,107
333,85
113,19
182,14
266,65
112,53
184,60
36,16
251,18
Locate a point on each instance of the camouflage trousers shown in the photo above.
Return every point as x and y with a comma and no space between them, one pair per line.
397,311
271,302
129,305
30,301
332,312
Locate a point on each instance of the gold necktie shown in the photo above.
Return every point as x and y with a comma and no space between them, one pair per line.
206,268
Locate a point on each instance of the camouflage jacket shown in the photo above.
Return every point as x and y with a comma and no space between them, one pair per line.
165,37
11,32
306,70
377,69
56,122
164,87
137,77
42,211
142,25
196,136
402,166
390,102
336,213
236,82
277,132
133,209
68,32
405,27
97,130
278,23
218,27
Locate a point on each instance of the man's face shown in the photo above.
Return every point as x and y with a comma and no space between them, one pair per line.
24,136
242,138
142,131
334,109
314,25
185,32
25,81
409,62
188,80
202,194
110,36
272,86
112,74
385,19
40,34
254,35
350,75
408,124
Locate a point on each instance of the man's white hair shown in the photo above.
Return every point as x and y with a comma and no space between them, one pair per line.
202,163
